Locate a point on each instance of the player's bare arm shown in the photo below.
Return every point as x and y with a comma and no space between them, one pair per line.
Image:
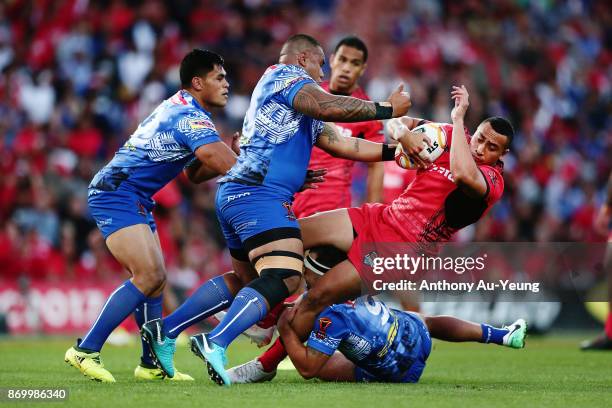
213,159
197,172
465,172
352,148
306,360
313,101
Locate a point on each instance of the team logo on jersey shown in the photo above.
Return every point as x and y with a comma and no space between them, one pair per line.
324,323
197,124
368,259
290,214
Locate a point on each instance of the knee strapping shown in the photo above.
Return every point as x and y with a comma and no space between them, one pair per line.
273,267
322,258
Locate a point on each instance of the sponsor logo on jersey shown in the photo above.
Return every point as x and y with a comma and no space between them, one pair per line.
237,196
107,221
441,170
197,124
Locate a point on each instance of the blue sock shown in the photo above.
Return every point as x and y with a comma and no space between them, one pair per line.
248,308
492,334
150,309
119,305
210,298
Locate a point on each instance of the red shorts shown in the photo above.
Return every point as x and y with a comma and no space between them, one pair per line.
376,238
309,202
371,229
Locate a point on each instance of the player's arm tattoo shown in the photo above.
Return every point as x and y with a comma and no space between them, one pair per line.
330,134
313,101
352,148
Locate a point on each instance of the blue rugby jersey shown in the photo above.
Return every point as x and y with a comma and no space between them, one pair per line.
390,344
160,148
276,140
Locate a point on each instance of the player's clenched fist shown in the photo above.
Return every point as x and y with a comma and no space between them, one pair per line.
400,101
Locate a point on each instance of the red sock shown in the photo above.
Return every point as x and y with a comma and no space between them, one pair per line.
608,326
273,356
270,319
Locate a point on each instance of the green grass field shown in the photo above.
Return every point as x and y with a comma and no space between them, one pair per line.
550,372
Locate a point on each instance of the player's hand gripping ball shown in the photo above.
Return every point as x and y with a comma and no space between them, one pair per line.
437,137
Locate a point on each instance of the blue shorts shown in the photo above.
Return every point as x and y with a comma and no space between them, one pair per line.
113,210
246,211
420,354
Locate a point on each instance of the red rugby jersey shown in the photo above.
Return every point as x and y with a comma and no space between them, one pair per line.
433,208
335,192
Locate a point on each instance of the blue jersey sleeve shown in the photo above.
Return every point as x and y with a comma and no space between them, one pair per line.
195,130
329,330
289,80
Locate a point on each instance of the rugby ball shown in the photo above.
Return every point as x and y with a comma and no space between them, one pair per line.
436,135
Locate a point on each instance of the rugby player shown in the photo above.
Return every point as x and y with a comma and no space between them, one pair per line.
348,63
444,197
178,131
379,344
253,202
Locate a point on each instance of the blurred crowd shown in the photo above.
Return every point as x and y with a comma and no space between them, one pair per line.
79,75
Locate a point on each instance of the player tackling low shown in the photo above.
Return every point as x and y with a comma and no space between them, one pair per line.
373,342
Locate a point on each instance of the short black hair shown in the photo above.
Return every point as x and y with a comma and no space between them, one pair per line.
353,42
303,38
501,126
198,62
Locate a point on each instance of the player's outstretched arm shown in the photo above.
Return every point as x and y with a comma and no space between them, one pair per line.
306,360
313,101
462,165
213,159
353,148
